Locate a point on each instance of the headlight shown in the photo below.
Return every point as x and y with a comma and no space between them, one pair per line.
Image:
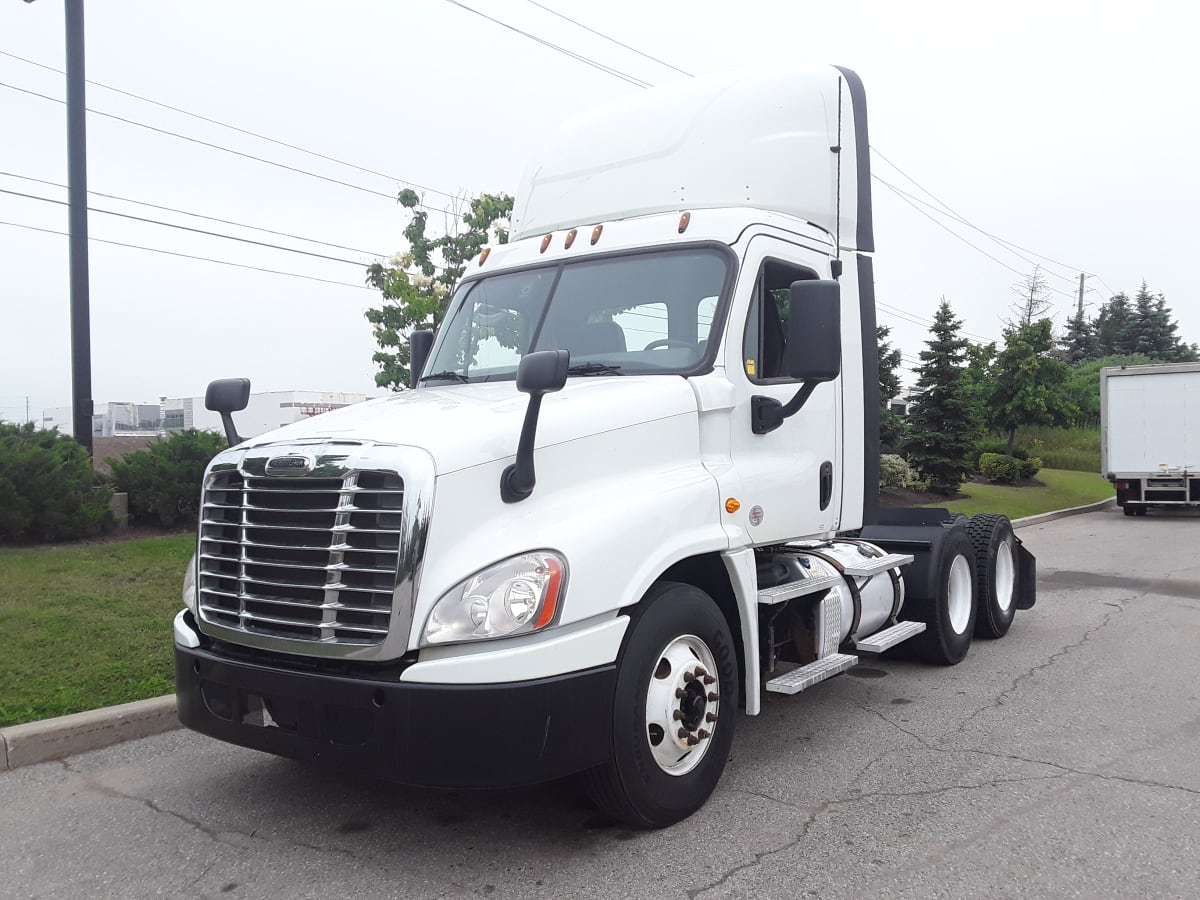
189,586
516,596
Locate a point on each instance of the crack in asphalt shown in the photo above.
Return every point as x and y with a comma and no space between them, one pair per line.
998,701
812,814
1088,773
219,836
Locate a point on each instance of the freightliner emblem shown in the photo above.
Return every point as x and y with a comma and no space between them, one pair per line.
288,465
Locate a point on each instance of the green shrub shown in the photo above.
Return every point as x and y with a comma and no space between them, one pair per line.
1000,468
895,472
48,490
1030,467
164,480
996,446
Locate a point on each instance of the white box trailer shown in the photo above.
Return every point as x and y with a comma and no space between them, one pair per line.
1150,435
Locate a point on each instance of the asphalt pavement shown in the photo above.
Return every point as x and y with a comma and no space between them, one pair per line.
1057,762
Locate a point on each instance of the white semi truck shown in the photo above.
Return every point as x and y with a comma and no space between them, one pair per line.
634,487
1150,435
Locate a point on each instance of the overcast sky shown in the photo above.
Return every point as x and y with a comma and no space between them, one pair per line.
1066,128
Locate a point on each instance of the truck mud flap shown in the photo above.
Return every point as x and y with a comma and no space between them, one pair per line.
1026,577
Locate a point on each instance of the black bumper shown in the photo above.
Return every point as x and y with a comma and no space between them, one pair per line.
479,735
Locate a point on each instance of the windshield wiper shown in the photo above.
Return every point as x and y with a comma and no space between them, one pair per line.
594,368
445,376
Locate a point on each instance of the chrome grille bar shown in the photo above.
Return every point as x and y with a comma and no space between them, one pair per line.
301,558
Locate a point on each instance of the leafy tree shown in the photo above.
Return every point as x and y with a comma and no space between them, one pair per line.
416,284
977,381
891,425
164,480
1028,385
48,489
942,428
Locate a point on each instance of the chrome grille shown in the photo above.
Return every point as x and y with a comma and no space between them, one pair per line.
310,559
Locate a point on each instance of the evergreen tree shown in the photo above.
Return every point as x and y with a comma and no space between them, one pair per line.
1028,387
1113,327
977,381
891,425
942,427
1079,339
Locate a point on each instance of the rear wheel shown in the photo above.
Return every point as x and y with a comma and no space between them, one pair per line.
1129,510
995,548
950,615
673,711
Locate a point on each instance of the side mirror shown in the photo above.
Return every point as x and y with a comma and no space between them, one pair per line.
226,396
419,343
815,330
538,374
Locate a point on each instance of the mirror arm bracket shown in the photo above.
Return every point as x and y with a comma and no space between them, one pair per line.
518,479
767,413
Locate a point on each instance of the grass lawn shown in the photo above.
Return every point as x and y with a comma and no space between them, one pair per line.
1059,489
87,625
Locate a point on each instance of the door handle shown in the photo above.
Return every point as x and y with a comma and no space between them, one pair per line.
826,483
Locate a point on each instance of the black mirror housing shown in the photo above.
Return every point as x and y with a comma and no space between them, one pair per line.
543,372
538,374
814,331
419,344
227,396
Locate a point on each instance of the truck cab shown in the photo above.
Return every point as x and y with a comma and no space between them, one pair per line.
633,485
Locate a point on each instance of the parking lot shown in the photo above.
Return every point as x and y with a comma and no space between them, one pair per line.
1057,762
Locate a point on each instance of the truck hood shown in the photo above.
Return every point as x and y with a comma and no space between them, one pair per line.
473,424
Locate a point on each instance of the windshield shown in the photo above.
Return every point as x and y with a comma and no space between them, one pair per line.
643,313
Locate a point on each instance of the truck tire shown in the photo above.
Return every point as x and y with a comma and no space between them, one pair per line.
996,573
673,711
950,615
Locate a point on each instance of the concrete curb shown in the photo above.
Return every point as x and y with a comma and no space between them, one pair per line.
1063,513
36,742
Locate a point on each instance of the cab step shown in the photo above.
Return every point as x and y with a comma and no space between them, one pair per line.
873,565
792,589
798,679
889,637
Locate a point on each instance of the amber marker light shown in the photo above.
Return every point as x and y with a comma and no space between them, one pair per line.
570,238
596,233
732,506
546,242
484,255
684,221
550,603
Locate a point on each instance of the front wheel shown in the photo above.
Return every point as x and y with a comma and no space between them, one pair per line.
673,710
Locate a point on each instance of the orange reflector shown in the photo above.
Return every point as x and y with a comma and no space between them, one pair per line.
550,603
484,255
570,238
684,221
732,506
546,242
596,233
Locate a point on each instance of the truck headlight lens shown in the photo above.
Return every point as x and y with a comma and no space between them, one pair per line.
189,585
516,596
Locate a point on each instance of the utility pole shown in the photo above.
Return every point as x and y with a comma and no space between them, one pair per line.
81,326
27,419
1079,309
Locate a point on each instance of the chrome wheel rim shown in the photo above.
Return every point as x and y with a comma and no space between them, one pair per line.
682,704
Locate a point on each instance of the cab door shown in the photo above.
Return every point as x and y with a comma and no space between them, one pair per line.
790,478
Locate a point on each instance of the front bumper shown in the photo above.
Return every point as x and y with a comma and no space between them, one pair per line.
433,735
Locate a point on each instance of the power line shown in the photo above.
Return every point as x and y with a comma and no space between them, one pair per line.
228,237
609,70
613,40
254,134
963,220
184,212
222,262
916,319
